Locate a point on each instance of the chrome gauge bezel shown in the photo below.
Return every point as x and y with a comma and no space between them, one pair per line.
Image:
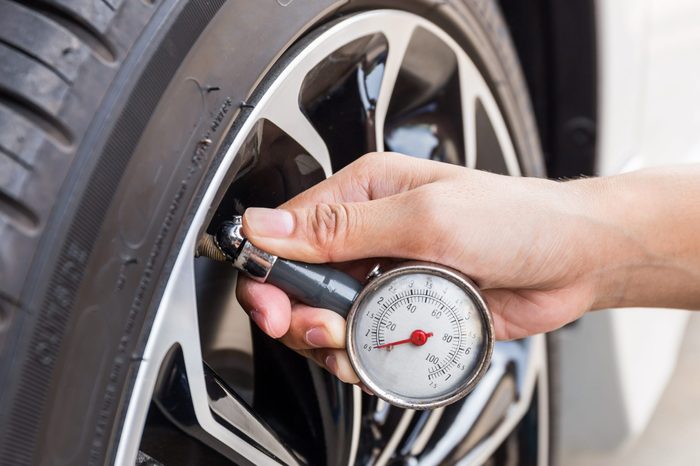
480,305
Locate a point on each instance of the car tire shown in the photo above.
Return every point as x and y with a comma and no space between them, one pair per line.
113,115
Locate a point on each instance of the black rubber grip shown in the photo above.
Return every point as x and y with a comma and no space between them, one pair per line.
315,285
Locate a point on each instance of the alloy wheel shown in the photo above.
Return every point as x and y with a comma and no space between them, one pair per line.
374,81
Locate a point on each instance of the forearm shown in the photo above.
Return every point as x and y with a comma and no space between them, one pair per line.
649,228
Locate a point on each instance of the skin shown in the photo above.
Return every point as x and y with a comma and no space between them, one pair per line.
543,252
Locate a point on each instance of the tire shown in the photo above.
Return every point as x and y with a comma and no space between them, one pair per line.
112,114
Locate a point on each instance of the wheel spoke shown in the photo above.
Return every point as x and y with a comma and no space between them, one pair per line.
177,324
231,409
287,115
470,88
398,39
474,89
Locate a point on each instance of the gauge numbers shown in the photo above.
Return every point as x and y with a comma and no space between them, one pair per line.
418,337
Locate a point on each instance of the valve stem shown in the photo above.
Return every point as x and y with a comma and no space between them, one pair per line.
207,247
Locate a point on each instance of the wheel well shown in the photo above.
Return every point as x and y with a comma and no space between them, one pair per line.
556,45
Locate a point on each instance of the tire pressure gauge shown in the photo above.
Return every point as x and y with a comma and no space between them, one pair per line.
419,335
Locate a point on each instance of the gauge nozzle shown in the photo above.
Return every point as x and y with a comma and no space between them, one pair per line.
228,244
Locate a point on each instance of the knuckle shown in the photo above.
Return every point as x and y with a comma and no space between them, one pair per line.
372,162
329,225
292,340
374,158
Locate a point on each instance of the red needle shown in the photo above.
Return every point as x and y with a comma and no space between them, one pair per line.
418,338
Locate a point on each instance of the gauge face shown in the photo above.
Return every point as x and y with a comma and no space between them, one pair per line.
418,338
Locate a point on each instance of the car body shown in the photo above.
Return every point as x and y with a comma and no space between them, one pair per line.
616,364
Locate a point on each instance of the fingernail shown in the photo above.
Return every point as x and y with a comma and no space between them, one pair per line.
273,223
364,388
317,337
332,364
260,320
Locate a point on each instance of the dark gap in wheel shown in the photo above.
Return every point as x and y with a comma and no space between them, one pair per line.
271,169
489,154
450,444
163,439
528,434
223,326
503,396
168,445
287,399
416,427
339,97
379,422
425,116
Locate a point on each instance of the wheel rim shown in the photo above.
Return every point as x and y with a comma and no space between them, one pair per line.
389,43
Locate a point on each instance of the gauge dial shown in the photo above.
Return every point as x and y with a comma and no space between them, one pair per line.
420,336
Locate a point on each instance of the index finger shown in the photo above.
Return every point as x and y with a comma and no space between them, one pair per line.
372,176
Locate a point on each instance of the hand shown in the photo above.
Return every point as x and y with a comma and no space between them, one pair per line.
538,249
507,234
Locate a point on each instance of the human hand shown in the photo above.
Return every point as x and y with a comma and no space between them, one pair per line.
526,242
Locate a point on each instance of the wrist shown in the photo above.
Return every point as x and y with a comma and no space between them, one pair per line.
645,249
614,250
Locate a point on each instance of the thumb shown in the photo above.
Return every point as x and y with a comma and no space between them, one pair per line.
337,232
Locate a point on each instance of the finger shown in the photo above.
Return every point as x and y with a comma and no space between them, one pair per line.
387,227
369,207
372,176
314,328
335,361
521,313
297,325
365,389
268,306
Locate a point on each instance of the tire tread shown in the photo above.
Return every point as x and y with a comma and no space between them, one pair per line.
89,20
49,53
49,44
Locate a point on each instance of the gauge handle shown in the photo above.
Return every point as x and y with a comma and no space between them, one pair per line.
316,285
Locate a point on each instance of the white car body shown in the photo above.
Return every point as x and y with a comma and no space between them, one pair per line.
616,364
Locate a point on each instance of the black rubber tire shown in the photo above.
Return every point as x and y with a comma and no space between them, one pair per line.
107,108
